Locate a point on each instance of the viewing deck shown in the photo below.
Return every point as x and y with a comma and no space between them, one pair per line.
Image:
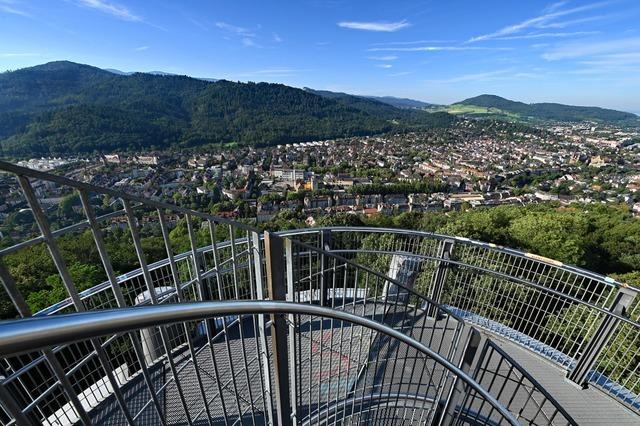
327,325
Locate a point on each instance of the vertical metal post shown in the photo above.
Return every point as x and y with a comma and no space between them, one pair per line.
325,277
292,329
262,337
274,247
601,338
458,388
437,283
63,271
12,407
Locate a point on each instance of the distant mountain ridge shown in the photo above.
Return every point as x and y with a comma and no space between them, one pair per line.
402,102
69,108
546,111
388,100
119,72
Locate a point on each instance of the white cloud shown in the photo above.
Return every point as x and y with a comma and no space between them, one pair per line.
484,76
578,50
383,58
375,26
13,7
271,73
113,9
277,38
434,49
249,42
548,35
141,48
18,55
241,31
546,20
615,60
400,74
386,66
407,43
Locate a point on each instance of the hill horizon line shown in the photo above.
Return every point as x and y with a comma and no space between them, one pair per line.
378,97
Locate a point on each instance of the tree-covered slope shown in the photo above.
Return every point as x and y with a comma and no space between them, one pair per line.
66,108
544,111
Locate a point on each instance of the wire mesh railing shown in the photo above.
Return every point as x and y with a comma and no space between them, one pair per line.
242,406
143,252
585,323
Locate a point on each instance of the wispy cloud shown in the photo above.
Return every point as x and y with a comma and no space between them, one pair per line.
13,7
375,26
579,50
383,58
272,73
434,48
615,60
408,43
386,66
400,74
247,36
114,9
549,35
234,29
547,20
484,76
141,48
18,55
277,38
250,42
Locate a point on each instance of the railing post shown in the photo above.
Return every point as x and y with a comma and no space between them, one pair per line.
458,388
288,248
602,337
276,284
262,329
325,277
12,408
437,283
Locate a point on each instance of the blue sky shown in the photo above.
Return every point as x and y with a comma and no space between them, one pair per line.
577,52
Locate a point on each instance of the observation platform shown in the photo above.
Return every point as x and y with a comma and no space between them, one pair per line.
326,325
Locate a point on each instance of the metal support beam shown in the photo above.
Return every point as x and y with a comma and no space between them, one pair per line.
274,252
262,328
325,277
601,338
459,389
13,408
292,329
437,283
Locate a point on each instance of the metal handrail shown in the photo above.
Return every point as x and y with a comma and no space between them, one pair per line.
343,260
26,335
61,180
506,277
489,246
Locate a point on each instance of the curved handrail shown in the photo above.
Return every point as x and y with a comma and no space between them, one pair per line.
490,246
25,335
61,180
509,278
379,275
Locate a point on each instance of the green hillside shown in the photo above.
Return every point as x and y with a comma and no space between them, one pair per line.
68,108
496,106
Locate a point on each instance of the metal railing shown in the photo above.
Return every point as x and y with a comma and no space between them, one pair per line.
586,323
294,367
27,335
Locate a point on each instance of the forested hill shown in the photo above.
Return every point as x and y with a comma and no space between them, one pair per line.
547,111
68,108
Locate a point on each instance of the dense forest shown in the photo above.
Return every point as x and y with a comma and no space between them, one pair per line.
602,238
63,107
549,111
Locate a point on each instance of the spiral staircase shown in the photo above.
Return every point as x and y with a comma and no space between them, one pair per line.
315,326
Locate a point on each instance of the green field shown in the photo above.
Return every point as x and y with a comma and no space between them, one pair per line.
478,111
